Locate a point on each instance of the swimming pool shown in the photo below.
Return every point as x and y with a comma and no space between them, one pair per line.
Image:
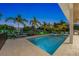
48,43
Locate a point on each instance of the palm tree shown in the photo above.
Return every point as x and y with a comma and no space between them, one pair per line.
1,19
44,26
34,23
63,25
55,26
18,19
49,27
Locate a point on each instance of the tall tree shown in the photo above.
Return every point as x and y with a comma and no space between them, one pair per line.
63,25
44,26
19,20
35,23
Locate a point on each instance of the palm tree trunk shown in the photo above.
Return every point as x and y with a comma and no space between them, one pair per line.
34,28
18,29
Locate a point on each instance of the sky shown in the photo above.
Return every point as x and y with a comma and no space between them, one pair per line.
48,12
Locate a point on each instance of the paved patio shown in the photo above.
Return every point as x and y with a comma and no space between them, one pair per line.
69,49
22,47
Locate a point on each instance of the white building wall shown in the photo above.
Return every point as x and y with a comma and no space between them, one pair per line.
67,9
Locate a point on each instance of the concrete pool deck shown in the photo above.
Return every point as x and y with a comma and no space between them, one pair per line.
69,49
22,47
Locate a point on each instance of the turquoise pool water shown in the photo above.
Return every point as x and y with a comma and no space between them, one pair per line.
48,43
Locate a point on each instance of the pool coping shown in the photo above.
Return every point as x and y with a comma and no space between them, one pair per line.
44,35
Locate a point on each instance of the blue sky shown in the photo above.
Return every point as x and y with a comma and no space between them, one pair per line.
48,12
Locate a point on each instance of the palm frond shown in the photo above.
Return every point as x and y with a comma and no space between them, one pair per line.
23,24
34,18
39,22
25,20
10,18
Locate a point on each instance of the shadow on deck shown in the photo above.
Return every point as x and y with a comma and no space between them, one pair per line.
3,38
